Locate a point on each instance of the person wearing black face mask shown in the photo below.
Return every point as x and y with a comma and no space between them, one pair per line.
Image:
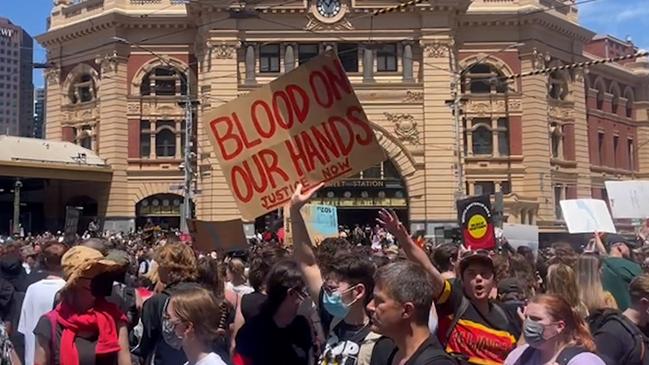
554,334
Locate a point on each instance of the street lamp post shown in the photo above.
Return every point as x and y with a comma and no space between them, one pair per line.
186,211
16,226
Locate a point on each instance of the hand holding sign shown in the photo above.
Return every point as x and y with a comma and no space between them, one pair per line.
303,128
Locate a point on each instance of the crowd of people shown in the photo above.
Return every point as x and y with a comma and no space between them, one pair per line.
150,298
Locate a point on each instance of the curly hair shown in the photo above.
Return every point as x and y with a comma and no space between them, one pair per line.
176,263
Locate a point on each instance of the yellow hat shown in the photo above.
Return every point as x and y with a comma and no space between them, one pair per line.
84,262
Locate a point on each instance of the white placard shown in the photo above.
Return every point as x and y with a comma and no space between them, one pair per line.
628,199
587,216
522,235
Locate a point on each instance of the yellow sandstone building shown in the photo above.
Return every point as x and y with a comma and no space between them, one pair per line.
120,70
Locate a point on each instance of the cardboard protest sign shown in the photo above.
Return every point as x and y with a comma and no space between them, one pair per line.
587,216
225,236
72,215
321,221
476,223
628,199
522,235
305,127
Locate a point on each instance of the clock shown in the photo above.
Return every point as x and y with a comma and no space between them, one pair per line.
328,8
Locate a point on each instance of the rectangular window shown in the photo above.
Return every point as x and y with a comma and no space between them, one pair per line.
348,55
600,148
558,196
503,137
145,139
616,143
482,137
269,58
484,187
386,58
505,187
630,150
306,52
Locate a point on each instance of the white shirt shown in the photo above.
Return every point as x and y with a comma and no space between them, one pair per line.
210,359
27,268
239,289
39,299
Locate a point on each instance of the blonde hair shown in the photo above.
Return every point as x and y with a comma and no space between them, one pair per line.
197,306
237,269
589,282
561,281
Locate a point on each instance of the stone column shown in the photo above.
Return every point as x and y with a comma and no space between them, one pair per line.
579,133
53,94
407,63
368,64
289,58
152,151
251,62
113,132
178,139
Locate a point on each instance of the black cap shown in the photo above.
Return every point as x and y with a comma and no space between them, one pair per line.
478,256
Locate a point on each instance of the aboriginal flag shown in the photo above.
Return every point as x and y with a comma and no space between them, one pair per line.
476,223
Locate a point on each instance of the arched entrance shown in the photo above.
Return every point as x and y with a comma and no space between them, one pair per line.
359,197
88,210
160,210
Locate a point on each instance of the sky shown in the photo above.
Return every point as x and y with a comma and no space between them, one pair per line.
620,18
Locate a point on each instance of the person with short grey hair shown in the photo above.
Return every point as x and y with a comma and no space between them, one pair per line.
403,295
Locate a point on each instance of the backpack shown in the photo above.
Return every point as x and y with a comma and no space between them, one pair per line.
599,318
563,358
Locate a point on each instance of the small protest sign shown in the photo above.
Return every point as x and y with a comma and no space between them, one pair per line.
587,216
628,199
321,221
305,127
72,215
225,236
476,223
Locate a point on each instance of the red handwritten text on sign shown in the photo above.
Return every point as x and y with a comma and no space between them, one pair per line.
305,127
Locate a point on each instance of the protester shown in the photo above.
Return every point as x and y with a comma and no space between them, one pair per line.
618,268
194,314
277,335
40,296
444,258
82,329
399,310
341,300
554,333
618,335
561,281
467,315
589,283
176,265
236,277
29,258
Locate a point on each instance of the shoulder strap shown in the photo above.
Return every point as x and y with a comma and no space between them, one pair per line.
526,356
568,353
464,305
53,323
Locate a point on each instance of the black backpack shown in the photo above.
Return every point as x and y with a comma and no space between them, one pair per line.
637,355
563,358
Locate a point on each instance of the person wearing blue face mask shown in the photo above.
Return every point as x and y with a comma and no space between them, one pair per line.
341,296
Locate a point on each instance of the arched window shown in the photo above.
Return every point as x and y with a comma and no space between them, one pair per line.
557,86
164,81
483,78
165,143
82,89
482,138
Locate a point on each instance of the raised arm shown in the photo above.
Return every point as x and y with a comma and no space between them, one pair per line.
390,221
302,249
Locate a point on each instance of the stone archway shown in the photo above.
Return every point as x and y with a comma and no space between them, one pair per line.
159,210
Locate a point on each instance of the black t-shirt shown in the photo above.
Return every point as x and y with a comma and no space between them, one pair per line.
262,342
344,340
251,304
430,352
85,346
615,343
